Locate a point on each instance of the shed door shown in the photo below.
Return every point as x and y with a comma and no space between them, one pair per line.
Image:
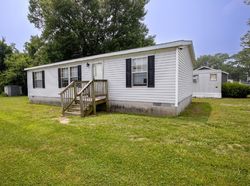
97,71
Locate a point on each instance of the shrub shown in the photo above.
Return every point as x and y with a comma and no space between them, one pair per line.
235,90
3,94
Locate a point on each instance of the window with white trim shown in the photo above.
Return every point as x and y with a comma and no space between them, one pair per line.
73,73
64,77
195,78
38,80
140,71
213,77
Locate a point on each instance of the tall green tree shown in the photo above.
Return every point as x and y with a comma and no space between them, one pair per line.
5,51
14,73
243,57
215,61
223,61
74,28
37,50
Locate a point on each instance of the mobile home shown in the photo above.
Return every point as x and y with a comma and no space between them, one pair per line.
155,80
207,82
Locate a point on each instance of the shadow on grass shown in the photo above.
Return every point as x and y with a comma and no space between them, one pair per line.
199,111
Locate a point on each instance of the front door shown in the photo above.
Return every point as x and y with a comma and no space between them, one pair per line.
97,71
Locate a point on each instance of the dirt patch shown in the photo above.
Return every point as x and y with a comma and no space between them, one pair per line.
63,120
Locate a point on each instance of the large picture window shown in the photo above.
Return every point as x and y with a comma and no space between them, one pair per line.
38,79
139,71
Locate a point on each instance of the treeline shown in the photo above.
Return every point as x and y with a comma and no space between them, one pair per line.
72,29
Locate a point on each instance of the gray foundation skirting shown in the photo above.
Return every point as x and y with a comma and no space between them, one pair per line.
45,100
145,108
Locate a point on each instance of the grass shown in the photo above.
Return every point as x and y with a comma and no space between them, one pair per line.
209,144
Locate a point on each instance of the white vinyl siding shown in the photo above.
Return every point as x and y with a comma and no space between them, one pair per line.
115,73
185,74
164,90
206,87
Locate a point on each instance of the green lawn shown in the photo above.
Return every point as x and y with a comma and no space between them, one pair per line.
209,144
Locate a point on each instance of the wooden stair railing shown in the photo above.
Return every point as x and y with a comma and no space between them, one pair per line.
69,94
86,94
86,98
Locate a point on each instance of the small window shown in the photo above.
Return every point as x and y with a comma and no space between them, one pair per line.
64,77
139,72
38,80
73,74
213,77
195,78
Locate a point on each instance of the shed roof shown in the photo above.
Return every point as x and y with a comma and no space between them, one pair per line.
209,68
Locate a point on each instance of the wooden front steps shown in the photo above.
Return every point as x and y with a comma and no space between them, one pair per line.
75,109
81,97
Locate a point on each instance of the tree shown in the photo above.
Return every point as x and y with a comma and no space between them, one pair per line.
37,50
5,51
14,73
214,61
81,27
243,57
224,62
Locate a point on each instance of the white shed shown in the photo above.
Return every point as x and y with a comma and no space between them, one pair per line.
207,82
151,80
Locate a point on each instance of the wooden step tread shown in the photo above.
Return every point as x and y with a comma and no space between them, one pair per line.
74,113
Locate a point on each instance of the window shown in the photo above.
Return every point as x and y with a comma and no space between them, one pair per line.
73,74
213,77
139,72
64,77
38,79
195,78
68,74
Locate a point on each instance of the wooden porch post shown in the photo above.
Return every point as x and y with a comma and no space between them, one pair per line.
81,105
93,97
107,96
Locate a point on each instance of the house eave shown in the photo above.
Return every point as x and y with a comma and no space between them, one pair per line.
174,44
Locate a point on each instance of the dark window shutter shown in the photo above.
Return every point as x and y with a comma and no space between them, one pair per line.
128,73
33,79
79,73
43,78
59,78
151,71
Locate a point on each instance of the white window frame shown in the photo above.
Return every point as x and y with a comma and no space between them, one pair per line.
69,75
36,80
213,74
145,71
195,78
62,77
73,78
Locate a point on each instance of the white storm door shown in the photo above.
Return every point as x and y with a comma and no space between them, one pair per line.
97,71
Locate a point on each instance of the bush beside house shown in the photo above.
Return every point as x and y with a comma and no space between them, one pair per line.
235,90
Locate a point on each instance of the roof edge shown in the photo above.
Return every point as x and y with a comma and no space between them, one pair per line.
173,44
